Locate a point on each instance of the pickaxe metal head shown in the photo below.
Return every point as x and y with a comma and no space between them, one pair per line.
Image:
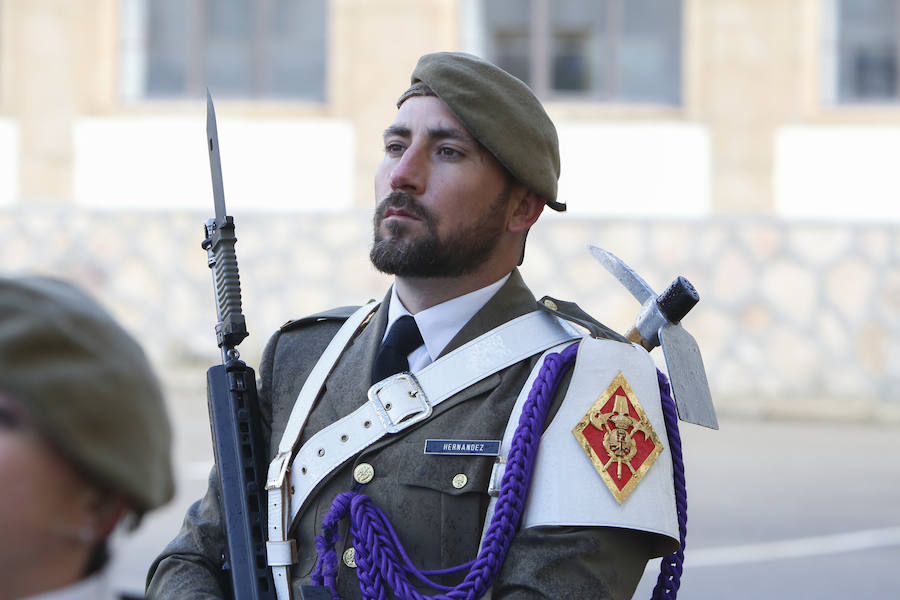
658,323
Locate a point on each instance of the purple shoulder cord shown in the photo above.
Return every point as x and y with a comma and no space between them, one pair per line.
380,557
670,568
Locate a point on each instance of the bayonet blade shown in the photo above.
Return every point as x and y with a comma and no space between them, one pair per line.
688,377
633,282
215,162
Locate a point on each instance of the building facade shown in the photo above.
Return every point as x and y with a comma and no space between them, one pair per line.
747,144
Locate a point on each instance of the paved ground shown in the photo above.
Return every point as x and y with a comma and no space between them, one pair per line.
791,510
776,509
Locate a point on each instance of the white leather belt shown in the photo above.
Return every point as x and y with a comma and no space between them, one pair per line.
394,404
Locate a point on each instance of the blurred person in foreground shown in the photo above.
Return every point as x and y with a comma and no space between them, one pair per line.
470,161
84,440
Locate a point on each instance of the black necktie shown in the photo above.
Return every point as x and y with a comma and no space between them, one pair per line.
403,338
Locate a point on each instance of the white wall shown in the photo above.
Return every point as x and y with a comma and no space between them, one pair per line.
161,163
9,162
837,172
653,169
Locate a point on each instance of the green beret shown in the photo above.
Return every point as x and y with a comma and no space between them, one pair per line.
88,387
500,111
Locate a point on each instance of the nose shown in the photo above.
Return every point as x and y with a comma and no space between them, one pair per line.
410,171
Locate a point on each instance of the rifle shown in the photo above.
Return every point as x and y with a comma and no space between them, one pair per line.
233,405
234,409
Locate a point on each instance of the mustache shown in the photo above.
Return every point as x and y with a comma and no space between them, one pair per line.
401,200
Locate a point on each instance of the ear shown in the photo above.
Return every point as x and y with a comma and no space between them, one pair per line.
108,513
525,208
100,511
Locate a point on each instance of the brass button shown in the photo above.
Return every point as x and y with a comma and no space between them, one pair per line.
460,480
363,473
350,557
550,304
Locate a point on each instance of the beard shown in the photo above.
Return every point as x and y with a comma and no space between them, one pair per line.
459,253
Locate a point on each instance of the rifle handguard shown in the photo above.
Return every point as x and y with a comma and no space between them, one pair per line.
219,245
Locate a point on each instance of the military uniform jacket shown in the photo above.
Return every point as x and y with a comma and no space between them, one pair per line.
439,524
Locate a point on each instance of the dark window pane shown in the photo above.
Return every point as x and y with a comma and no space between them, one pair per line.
507,13
571,61
508,24
512,53
649,60
579,46
867,50
237,48
296,49
168,48
612,50
229,67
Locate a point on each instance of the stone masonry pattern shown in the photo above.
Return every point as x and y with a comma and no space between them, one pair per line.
795,319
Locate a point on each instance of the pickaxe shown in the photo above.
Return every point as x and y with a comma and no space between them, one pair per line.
659,323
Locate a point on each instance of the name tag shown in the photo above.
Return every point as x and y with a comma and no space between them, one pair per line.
471,447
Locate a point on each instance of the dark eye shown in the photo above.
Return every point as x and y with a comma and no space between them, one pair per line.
9,419
393,148
448,152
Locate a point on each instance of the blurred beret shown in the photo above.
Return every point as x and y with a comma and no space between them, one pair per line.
88,387
500,111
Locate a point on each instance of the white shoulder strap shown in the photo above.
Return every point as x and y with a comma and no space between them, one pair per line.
281,551
310,391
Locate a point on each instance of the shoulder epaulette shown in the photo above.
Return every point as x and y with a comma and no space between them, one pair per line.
572,312
341,313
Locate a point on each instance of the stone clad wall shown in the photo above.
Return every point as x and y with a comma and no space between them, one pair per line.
797,319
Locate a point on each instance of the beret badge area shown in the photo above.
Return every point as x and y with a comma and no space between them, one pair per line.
618,439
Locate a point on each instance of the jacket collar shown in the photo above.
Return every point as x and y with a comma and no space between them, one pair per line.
512,300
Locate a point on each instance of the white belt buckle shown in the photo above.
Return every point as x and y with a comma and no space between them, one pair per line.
414,390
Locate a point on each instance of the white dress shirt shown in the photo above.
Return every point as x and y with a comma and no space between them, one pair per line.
440,323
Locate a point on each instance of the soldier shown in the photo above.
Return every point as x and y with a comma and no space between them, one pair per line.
470,161
84,439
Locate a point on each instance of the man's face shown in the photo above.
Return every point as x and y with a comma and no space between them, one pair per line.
41,505
442,198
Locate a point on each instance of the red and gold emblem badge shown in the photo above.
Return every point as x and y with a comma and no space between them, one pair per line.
617,437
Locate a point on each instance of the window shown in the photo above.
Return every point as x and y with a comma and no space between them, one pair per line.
607,50
239,49
866,48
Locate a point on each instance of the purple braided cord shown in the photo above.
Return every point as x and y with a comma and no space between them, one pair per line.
670,568
380,557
